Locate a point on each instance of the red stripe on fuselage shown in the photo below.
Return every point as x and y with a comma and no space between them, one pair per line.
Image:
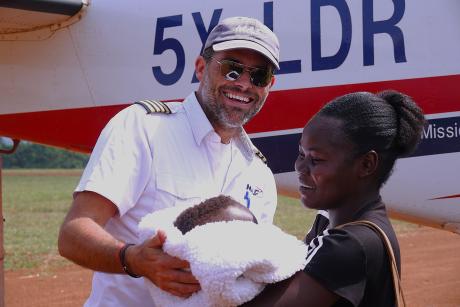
446,197
78,129
293,108
74,129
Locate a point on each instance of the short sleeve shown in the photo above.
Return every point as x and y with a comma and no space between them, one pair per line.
120,164
336,260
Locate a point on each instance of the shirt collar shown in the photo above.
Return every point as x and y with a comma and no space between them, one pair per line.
198,121
201,127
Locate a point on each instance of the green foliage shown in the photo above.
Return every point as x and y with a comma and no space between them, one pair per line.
30,155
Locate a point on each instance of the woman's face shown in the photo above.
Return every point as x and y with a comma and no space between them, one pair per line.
327,174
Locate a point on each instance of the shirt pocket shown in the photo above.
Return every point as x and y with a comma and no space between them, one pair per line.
182,191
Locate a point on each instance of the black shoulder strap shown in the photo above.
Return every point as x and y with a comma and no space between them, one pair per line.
154,106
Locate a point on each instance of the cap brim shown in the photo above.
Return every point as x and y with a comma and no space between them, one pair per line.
244,44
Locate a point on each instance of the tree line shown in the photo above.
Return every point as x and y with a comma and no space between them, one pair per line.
31,155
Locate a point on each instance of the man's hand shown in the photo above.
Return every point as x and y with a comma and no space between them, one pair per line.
166,272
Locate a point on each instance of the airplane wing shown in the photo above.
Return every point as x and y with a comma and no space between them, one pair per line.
38,19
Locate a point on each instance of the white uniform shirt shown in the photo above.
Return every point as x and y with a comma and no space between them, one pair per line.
145,162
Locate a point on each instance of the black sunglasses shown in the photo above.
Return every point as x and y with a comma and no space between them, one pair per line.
232,71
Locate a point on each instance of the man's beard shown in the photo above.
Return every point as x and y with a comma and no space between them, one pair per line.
220,114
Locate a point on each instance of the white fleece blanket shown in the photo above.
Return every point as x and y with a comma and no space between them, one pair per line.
233,261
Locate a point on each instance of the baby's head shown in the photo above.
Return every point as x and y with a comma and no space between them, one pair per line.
217,209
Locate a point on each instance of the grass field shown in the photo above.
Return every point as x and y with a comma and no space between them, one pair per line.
34,205
36,201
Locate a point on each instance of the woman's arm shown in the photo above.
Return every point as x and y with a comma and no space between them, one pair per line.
299,290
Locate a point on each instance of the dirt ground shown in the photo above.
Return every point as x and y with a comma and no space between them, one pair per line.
430,264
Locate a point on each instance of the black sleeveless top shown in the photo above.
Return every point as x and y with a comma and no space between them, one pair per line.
352,261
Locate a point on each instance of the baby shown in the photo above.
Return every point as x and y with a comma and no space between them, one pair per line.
230,254
217,209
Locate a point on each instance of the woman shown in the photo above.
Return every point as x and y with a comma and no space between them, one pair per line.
346,153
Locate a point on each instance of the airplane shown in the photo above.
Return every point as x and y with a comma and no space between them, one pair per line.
67,66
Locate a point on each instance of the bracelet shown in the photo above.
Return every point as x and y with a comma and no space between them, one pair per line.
121,255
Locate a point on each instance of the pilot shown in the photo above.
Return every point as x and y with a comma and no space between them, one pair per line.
154,155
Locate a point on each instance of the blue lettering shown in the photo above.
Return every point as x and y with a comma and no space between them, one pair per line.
286,67
248,200
329,62
202,31
371,27
268,14
161,45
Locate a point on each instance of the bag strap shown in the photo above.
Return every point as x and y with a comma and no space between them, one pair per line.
400,301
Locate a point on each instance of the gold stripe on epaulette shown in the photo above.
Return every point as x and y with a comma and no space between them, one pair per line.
260,155
158,106
154,106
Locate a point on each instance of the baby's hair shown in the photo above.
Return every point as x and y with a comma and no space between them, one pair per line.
212,210
389,123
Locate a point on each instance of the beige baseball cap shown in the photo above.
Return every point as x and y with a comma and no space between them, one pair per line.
246,33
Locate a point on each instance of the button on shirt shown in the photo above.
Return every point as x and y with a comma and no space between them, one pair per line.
146,162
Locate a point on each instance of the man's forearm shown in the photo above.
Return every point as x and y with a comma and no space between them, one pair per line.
86,243
82,237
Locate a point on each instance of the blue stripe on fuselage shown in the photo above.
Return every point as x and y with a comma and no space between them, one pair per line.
440,136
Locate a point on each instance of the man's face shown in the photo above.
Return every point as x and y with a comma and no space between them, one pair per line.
231,103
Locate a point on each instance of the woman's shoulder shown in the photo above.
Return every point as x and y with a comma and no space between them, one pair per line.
320,223
360,237
336,259
348,260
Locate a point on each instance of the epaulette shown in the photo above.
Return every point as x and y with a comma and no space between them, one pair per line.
260,155
154,106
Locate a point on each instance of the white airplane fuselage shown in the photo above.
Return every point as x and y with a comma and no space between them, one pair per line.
61,83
